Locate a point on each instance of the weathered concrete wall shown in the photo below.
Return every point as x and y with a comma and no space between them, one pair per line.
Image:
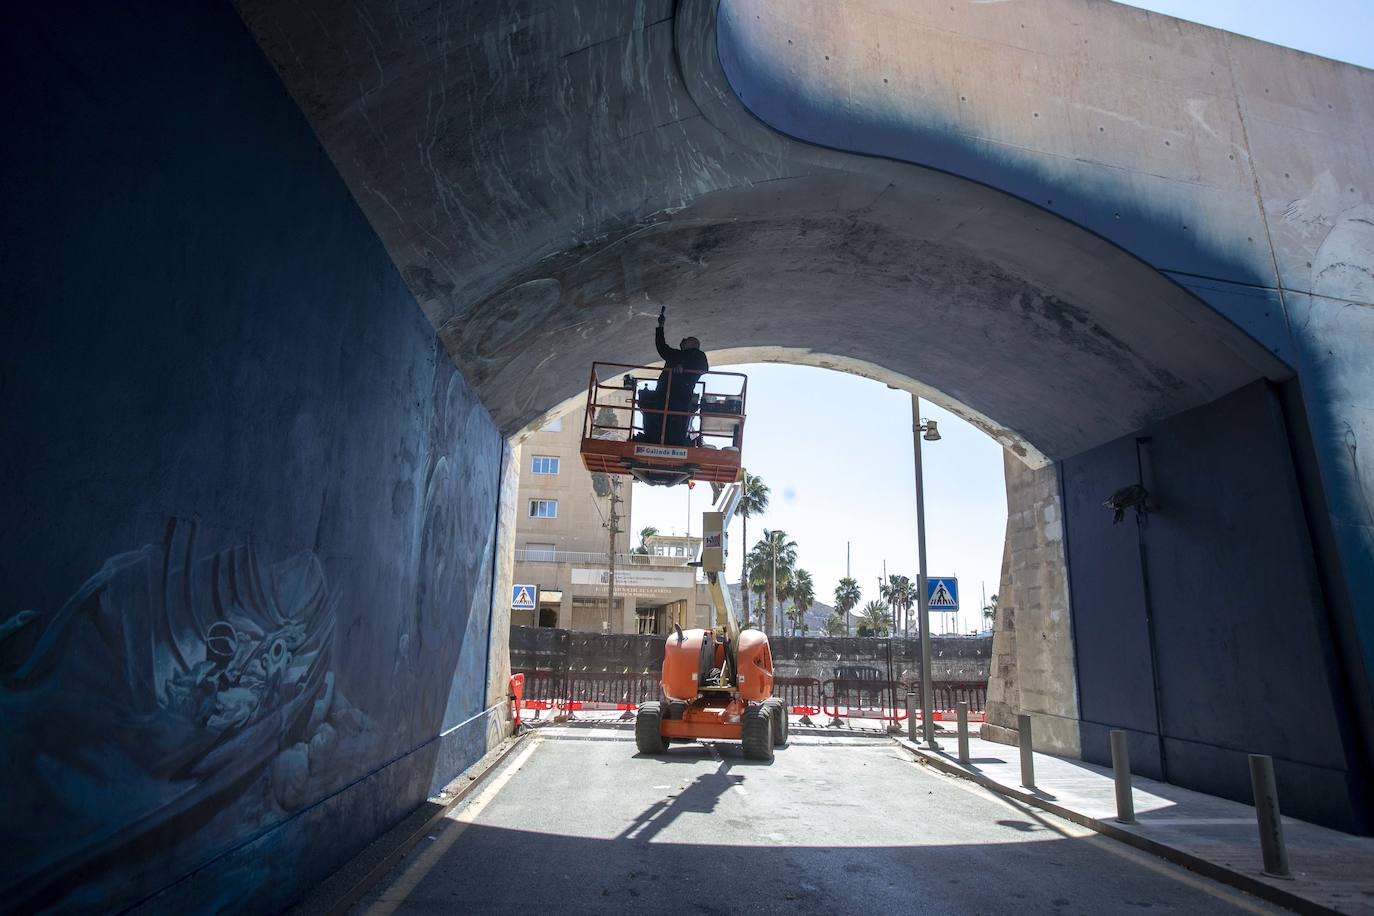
246,569
1200,629
1033,650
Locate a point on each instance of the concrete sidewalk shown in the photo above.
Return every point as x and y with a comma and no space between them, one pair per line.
1333,871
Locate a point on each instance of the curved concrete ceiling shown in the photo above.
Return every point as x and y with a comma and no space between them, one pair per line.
546,175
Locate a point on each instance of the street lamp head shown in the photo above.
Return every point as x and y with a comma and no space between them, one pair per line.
931,430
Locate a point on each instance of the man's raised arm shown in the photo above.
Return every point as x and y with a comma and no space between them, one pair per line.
670,356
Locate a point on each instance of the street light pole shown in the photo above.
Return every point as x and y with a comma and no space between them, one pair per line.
923,612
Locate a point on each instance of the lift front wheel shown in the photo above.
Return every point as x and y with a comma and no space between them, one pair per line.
781,726
649,729
758,733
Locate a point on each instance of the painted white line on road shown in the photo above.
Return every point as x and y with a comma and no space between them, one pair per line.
1238,899
397,893
1194,821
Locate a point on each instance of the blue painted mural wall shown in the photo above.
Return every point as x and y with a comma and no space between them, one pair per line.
1222,579
246,569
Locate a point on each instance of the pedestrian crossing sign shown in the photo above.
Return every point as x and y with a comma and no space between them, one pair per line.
522,597
942,594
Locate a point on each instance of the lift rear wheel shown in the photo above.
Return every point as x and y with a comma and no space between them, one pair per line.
757,728
649,730
781,727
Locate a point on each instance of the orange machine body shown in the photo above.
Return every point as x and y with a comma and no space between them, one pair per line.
755,666
689,658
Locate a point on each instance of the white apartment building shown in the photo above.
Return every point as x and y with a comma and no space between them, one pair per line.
562,539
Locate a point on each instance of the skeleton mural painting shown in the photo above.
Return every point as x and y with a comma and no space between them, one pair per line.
203,678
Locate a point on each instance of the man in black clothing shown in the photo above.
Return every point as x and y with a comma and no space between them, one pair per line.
675,388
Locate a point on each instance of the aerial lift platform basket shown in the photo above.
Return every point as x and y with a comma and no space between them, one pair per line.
717,682
627,430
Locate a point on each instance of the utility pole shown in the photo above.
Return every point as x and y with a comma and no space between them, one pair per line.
923,606
613,528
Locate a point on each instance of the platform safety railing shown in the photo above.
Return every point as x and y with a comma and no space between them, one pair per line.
617,388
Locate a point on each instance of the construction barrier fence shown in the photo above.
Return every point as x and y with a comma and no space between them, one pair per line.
839,698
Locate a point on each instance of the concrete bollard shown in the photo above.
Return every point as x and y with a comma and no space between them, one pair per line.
1121,772
1272,847
963,730
1023,727
911,716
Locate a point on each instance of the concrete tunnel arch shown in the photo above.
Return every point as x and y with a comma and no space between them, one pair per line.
880,266
922,279
278,325
666,189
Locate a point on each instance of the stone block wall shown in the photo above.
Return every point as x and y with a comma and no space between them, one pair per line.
1032,645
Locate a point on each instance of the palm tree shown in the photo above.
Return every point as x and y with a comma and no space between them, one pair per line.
834,626
774,556
990,612
753,501
644,535
847,597
802,591
756,581
900,592
875,619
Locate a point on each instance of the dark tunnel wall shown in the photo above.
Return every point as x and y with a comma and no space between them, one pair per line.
1244,658
246,565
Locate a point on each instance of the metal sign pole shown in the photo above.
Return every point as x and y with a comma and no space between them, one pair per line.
923,612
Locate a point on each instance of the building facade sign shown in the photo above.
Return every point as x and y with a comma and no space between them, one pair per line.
638,583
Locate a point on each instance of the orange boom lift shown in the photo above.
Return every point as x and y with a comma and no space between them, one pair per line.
626,428
717,682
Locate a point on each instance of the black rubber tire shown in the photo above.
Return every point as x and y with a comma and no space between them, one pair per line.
781,726
648,729
757,731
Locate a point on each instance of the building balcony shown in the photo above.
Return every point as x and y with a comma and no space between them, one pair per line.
595,558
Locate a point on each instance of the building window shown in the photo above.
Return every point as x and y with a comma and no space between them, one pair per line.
543,508
553,426
544,464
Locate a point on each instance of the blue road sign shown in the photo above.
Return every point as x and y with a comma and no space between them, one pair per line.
942,594
522,597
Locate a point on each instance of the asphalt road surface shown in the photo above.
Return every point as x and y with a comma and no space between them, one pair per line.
576,822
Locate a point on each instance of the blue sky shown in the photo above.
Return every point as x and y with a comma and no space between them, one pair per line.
836,449
1339,29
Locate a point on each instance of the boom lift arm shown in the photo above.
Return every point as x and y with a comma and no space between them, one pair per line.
715,532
